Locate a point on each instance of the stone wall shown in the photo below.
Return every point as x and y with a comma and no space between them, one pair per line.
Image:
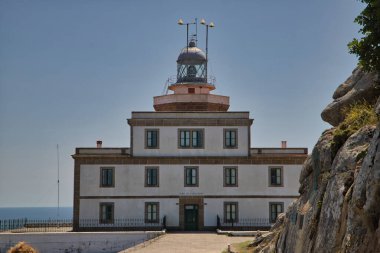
71,242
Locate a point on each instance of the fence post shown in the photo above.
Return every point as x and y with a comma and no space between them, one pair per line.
164,222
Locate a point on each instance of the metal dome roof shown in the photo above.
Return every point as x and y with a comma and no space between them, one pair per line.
191,55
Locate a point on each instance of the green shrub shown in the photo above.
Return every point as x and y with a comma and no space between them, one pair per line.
358,115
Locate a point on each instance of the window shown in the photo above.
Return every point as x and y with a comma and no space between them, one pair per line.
152,212
230,176
106,213
191,90
230,138
151,138
191,176
230,212
107,177
275,176
151,177
190,138
274,210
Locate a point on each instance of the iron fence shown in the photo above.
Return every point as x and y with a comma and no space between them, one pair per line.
122,224
35,225
244,223
64,225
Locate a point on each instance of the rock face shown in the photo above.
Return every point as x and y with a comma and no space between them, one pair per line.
339,206
359,86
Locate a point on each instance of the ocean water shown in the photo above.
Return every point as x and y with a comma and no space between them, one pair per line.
36,213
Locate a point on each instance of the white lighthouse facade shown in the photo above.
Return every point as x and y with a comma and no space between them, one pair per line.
190,165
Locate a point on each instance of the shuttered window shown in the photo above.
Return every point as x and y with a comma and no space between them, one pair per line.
230,138
107,177
276,178
230,212
190,138
106,213
151,177
274,210
151,138
152,212
191,176
230,176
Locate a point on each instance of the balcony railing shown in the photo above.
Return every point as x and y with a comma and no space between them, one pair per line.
174,80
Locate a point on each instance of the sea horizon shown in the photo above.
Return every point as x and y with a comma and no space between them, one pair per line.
65,212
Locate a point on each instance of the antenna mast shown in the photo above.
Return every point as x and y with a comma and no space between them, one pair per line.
180,22
211,25
196,31
58,178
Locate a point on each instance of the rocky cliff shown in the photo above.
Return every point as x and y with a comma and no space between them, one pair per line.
339,205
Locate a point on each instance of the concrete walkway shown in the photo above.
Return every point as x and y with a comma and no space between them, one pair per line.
189,243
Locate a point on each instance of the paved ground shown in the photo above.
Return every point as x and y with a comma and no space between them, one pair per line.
189,243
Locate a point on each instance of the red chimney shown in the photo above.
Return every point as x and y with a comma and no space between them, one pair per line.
283,144
99,144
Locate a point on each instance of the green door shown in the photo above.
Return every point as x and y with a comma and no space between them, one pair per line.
191,217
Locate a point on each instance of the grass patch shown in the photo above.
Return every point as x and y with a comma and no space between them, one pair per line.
241,247
358,115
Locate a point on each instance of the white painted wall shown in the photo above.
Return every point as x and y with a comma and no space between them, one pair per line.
129,181
84,242
134,208
247,208
168,142
131,209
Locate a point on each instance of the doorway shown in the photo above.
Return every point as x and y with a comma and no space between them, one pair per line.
191,217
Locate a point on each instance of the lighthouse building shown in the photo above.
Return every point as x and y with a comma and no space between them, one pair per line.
190,165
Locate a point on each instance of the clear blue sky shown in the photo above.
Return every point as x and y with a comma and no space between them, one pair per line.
71,72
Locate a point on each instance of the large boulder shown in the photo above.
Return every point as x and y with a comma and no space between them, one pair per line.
358,87
336,200
339,206
363,221
318,220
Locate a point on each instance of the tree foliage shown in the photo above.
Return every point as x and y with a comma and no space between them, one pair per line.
368,47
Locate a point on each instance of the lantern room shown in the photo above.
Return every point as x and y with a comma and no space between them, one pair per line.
191,65
191,86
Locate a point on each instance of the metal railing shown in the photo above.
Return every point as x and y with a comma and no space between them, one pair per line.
244,223
64,225
133,223
35,225
173,80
